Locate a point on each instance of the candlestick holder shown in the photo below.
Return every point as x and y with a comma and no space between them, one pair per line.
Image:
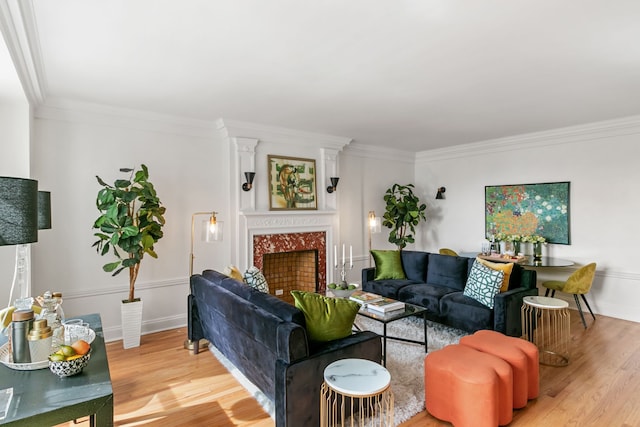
343,274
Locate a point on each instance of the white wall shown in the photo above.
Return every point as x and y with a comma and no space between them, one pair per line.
600,161
190,170
365,174
14,146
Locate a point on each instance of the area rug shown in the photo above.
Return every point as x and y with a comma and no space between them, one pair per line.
405,362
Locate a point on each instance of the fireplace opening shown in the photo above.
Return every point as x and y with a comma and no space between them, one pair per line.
289,271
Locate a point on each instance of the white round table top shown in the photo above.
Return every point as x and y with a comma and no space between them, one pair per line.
357,377
545,302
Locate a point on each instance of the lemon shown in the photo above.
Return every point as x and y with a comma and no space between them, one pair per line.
74,357
55,357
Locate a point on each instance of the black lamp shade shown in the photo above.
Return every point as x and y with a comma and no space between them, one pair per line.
44,210
18,211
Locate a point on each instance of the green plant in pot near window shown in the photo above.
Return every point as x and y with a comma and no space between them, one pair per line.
130,224
403,212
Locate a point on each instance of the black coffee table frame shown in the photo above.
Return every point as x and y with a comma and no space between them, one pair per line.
392,316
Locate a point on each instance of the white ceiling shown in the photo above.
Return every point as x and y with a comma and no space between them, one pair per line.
413,75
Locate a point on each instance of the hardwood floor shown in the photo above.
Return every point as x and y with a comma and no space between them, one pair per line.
161,384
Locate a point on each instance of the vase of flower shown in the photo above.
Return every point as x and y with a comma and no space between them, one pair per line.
516,247
537,250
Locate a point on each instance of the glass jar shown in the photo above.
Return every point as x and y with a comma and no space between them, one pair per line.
52,312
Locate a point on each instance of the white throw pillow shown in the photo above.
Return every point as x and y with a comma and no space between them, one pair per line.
254,278
483,284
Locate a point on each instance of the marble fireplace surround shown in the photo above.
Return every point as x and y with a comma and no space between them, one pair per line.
277,232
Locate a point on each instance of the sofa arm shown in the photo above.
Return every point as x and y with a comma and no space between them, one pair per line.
507,307
529,279
368,275
298,385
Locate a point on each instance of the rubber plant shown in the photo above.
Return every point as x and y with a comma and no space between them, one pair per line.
130,223
403,213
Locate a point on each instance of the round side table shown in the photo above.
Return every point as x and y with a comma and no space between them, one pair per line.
359,387
545,322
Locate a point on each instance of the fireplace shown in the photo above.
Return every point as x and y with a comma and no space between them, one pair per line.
292,261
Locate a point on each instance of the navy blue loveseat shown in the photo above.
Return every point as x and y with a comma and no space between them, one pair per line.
437,282
265,338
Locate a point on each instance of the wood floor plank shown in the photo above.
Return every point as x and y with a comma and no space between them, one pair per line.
161,384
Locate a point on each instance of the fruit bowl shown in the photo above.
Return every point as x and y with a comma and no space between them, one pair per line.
344,293
67,368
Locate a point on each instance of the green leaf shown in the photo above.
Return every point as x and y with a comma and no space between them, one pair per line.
111,266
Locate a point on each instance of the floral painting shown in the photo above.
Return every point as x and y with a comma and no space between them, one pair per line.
529,209
292,183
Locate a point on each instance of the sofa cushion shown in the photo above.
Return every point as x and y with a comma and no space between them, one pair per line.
424,295
326,318
448,271
414,264
506,268
387,288
483,284
270,303
462,312
254,278
388,264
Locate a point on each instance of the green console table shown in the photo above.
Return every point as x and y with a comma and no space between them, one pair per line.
41,398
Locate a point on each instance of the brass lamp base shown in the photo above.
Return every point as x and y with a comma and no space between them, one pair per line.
190,345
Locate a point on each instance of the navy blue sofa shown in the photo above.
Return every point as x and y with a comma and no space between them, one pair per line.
437,282
265,338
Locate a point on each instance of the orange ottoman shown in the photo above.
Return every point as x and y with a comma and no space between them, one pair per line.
467,387
520,354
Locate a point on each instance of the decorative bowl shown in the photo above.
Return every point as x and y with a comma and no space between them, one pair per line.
67,368
344,293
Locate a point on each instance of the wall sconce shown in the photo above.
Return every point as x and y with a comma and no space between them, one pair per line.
249,178
334,184
374,228
440,193
212,231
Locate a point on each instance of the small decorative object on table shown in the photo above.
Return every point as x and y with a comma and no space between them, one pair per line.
340,291
537,241
67,368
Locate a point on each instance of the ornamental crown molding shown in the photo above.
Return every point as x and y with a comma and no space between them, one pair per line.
235,128
566,135
84,112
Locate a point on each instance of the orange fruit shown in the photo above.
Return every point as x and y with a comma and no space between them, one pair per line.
81,347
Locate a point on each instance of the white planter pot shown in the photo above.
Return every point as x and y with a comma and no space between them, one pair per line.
131,316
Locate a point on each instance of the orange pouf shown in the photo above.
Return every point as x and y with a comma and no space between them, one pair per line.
520,354
467,387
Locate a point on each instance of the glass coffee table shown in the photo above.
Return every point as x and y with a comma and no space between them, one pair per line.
392,316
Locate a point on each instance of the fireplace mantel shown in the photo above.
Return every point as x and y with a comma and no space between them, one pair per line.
254,223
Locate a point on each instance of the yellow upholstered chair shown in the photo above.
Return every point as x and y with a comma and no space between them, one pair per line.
579,283
445,251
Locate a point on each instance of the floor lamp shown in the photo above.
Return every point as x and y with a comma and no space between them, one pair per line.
211,231
374,228
18,223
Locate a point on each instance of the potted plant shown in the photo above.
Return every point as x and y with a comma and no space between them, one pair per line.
403,213
130,224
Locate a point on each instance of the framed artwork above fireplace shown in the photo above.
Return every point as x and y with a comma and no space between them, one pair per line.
292,183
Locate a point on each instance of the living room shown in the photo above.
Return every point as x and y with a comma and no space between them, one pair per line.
64,139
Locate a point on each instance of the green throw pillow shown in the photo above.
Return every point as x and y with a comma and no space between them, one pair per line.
483,284
388,264
326,318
